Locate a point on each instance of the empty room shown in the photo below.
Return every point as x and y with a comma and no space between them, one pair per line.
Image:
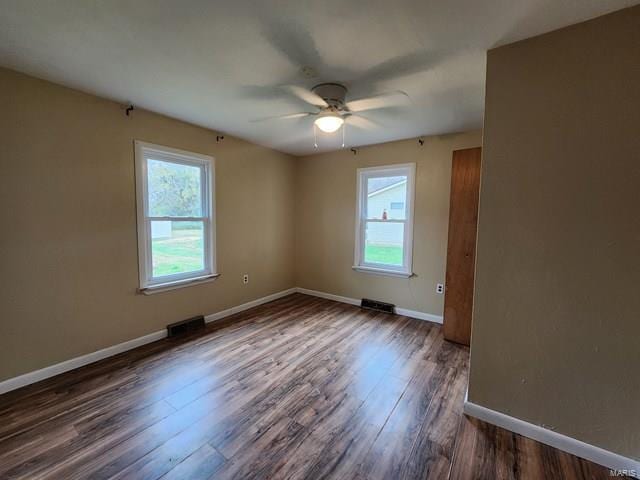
368,240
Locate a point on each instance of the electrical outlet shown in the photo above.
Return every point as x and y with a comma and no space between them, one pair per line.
439,288
245,278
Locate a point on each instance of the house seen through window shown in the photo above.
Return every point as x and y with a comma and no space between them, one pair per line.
384,220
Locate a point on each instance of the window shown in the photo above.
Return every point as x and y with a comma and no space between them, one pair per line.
384,222
176,228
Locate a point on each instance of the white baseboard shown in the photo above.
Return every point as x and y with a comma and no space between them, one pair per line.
561,442
77,362
328,296
354,301
429,317
246,306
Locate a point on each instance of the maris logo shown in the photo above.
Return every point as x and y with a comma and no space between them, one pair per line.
623,473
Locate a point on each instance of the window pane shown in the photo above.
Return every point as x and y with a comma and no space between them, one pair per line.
174,189
384,243
386,197
177,247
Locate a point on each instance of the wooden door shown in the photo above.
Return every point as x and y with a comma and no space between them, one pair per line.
461,250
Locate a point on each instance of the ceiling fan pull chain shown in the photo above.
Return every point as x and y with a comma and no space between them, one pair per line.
344,127
315,137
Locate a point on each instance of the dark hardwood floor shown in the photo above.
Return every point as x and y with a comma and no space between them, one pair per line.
298,388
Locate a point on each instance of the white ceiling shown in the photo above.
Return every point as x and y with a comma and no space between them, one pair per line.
218,63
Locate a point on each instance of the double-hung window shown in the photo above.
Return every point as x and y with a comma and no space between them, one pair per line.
384,220
176,224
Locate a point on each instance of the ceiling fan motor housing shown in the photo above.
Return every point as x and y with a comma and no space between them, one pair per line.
333,93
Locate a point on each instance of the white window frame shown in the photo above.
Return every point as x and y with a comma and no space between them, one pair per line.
363,174
143,152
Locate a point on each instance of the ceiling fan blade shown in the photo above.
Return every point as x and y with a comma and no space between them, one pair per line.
383,100
283,117
361,122
306,95
292,39
420,61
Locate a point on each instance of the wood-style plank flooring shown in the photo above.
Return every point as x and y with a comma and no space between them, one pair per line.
300,388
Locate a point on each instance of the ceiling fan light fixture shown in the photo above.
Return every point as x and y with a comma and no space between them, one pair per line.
329,123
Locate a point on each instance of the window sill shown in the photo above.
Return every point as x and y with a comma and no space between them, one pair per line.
382,271
165,287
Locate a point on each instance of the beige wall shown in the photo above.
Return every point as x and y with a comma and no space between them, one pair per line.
68,255
556,333
325,221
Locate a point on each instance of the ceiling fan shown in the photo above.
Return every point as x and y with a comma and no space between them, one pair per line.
332,109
